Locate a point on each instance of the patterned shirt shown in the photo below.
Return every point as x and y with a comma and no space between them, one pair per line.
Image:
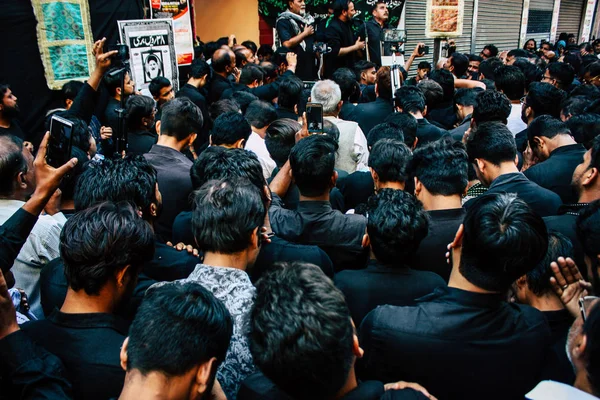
233,287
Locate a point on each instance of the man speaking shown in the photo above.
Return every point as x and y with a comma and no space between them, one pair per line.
345,49
296,32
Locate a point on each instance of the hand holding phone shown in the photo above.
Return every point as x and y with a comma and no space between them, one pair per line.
60,141
314,117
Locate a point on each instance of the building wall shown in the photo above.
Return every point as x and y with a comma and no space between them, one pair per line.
218,18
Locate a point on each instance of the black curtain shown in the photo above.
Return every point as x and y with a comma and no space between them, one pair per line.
21,65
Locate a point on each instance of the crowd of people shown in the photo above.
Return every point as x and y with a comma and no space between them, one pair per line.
437,241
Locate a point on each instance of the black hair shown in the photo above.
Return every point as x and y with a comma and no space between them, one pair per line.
346,79
221,107
593,69
531,72
250,45
312,160
216,163
361,66
390,159
264,50
101,240
281,138
511,81
180,118
130,179
487,67
590,92
221,62
493,142
385,130
446,81
243,98
588,229
199,69
157,84
492,49
209,50
544,99
591,330
270,69
396,225
466,97
538,279
491,105
12,163
503,239
433,92
534,45
546,126
573,105
70,90
229,128
112,80
489,84
330,129
424,65
177,327
260,114
442,167
226,214
384,83
340,6
460,62
585,128
518,53
136,108
301,331
251,73
475,57
290,92
410,99
408,124
563,73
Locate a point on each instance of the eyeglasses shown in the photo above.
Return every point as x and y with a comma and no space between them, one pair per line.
549,78
524,101
584,305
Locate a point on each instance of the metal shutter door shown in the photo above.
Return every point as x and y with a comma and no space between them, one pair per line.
543,10
498,23
463,43
569,16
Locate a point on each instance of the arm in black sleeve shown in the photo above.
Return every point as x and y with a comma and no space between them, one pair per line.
13,234
270,91
33,372
85,103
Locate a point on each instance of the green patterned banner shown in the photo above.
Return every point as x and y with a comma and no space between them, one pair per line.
65,40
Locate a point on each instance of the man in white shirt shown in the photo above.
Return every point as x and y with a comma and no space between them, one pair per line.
17,183
512,82
260,115
353,153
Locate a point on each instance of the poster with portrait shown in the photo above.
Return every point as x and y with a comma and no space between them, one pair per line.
151,51
444,18
179,12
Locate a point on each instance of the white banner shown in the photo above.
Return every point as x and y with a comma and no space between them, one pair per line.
179,11
151,51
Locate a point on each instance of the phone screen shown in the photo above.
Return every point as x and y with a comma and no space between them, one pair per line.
59,145
314,117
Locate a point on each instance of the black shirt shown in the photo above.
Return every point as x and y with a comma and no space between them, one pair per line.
521,140
443,114
427,132
458,132
347,111
375,35
14,129
367,115
196,97
140,142
217,86
458,345
339,35
306,68
560,368
431,255
286,113
316,223
556,173
89,346
174,183
258,387
543,201
379,284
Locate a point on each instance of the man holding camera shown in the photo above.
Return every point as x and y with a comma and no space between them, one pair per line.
296,32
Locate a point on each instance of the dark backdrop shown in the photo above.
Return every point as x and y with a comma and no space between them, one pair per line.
20,62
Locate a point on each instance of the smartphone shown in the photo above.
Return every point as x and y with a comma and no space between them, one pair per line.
314,117
424,50
61,141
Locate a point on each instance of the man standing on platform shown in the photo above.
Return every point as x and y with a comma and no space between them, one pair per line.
345,49
375,27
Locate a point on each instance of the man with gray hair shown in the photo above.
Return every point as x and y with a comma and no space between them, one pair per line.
353,153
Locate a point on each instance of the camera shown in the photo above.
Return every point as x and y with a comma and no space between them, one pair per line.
423,50
322,48
122,55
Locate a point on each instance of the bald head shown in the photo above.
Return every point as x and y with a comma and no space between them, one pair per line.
223,61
